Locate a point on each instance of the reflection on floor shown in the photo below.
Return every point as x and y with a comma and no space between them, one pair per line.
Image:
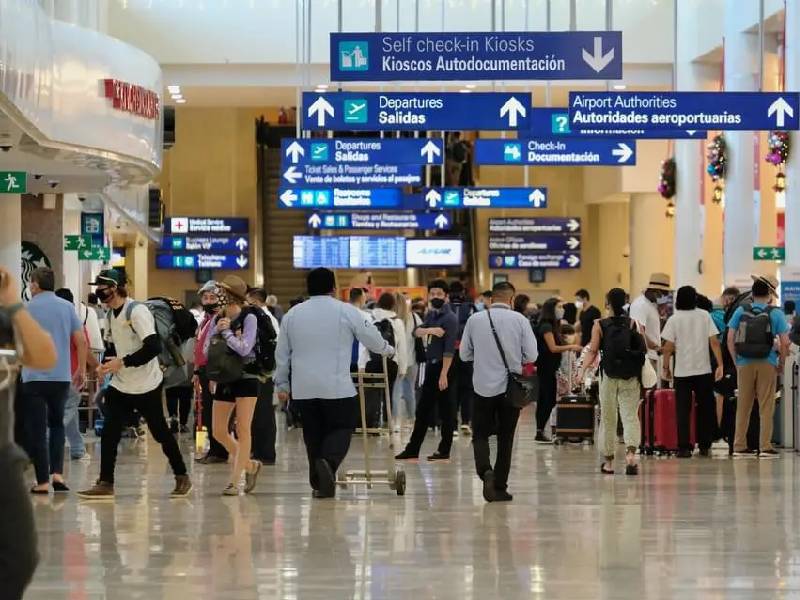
710,528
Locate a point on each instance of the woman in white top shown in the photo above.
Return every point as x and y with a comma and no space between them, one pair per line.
405,388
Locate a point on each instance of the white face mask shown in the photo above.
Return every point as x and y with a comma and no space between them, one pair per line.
559,313
579,304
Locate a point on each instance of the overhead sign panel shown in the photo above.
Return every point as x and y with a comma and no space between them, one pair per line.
217,225
206,243
352,174
563,152
441,221
348,252
749,111
475,56
362,151
434,252
201,260
411,111
484,197
554,123
334,197
534,243
521,225
534,260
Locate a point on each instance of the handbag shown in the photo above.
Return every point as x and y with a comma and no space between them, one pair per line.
224,365
520,390
649,376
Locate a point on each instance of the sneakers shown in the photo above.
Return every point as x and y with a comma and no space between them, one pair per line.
99,491
489,492
769,454
326,479
406,455
438,457
250,479
541,438
231,490
183,485
745,454
85,457
503,496
173,426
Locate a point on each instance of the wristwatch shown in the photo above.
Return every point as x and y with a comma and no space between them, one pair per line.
13,309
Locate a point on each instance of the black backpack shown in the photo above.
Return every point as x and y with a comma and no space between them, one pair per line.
387,332
623,349
754,337
266,341
463,309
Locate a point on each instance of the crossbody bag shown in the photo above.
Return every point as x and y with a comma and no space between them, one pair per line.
521,390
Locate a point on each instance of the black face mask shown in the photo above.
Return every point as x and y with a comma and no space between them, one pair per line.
211,308
437,303
104,295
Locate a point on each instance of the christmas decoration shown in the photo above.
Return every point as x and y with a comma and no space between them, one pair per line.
670,212
717,156
666,184
778,154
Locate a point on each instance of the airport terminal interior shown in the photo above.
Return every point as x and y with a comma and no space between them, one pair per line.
383,299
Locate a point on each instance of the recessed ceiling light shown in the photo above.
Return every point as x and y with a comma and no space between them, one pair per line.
620,86
470,86
465,91
322,86
174,89
177,96
181,101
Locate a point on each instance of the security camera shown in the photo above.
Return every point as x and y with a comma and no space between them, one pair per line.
37,176
81,198
140,244
6,147
53,183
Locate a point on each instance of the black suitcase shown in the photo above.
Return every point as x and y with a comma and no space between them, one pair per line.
575,418
373,401
728,427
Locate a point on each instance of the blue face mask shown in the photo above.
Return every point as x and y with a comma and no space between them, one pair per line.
480,306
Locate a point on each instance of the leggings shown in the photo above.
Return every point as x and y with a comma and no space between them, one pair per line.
547,398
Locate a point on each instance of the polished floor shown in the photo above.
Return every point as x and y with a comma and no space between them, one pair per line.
700,528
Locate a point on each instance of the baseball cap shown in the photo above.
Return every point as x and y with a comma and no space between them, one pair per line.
109,277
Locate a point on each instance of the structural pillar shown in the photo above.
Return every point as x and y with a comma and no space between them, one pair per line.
11,235
140,267
793,166
741,69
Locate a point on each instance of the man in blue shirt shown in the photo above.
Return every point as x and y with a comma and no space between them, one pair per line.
441,329
45,392
313,362
752,334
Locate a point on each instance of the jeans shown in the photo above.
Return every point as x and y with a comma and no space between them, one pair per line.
620,397
44,408
492,415
431,399
327,430
72,429
405,393
18,554
702,386
264,429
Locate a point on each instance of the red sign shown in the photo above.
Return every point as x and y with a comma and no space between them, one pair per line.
132,98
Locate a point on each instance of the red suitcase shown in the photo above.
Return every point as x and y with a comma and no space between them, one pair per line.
660,423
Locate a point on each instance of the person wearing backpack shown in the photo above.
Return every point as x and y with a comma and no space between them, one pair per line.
754,330
136,383
688,334
461,391
233,366
622,354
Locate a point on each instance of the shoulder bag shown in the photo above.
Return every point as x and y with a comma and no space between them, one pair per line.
520,390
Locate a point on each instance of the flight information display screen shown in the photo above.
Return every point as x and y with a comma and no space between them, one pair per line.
310,252
373,252
377,252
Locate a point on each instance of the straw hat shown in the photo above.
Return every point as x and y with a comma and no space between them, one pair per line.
659,281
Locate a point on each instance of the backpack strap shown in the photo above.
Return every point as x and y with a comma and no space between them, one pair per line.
129,312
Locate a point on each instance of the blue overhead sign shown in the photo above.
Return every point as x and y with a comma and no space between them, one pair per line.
441,221
411,111
534,260
206,243
749,111
215,225
201,260
570,225
351,174
362,151
334,197
510,243
475,56
554,123
567,151
484,197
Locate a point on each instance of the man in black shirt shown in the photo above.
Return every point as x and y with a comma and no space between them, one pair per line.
441,329
587,315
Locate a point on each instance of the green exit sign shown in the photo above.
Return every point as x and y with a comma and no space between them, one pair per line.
77,242
13,182
97,253
769,253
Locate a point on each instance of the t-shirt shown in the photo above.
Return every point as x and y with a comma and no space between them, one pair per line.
690,331
587,319
779,327
127,338
547,361
645,313
58,318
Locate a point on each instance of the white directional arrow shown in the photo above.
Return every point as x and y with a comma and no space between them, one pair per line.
513,108
241,260
762,253
288,198
241,244
598,61
573,225
314,221
691,131
537,198
295,150
292,175
430,149
573,243
433,198
780,108
320,107
573,260
441,221
623,152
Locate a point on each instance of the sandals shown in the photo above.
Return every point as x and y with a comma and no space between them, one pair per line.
605,471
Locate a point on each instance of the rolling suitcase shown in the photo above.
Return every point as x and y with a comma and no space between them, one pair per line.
575,418
660,423
728,426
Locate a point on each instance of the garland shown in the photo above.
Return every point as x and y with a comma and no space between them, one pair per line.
666,184
717,155
779,148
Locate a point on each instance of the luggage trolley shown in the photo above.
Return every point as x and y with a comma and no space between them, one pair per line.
393,476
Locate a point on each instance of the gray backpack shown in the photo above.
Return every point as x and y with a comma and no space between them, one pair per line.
754,336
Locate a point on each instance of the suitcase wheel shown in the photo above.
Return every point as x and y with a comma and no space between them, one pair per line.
400,483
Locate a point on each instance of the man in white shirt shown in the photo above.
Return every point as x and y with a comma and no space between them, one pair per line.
689,334
644,310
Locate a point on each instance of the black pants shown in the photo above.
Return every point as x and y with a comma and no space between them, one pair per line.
44,409
547,398
179,402
431,399
706,415
494,415
264,428
375,399
461,389
18,554
119,407
207,402
327,429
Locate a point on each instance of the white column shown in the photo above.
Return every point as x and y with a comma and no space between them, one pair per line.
741,68
140,267
793,166
11,235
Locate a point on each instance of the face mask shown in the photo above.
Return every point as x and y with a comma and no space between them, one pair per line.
211,308
104,295
437,303
579,304
559,313
479,306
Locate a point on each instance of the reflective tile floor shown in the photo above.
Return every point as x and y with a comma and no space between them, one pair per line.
700,528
